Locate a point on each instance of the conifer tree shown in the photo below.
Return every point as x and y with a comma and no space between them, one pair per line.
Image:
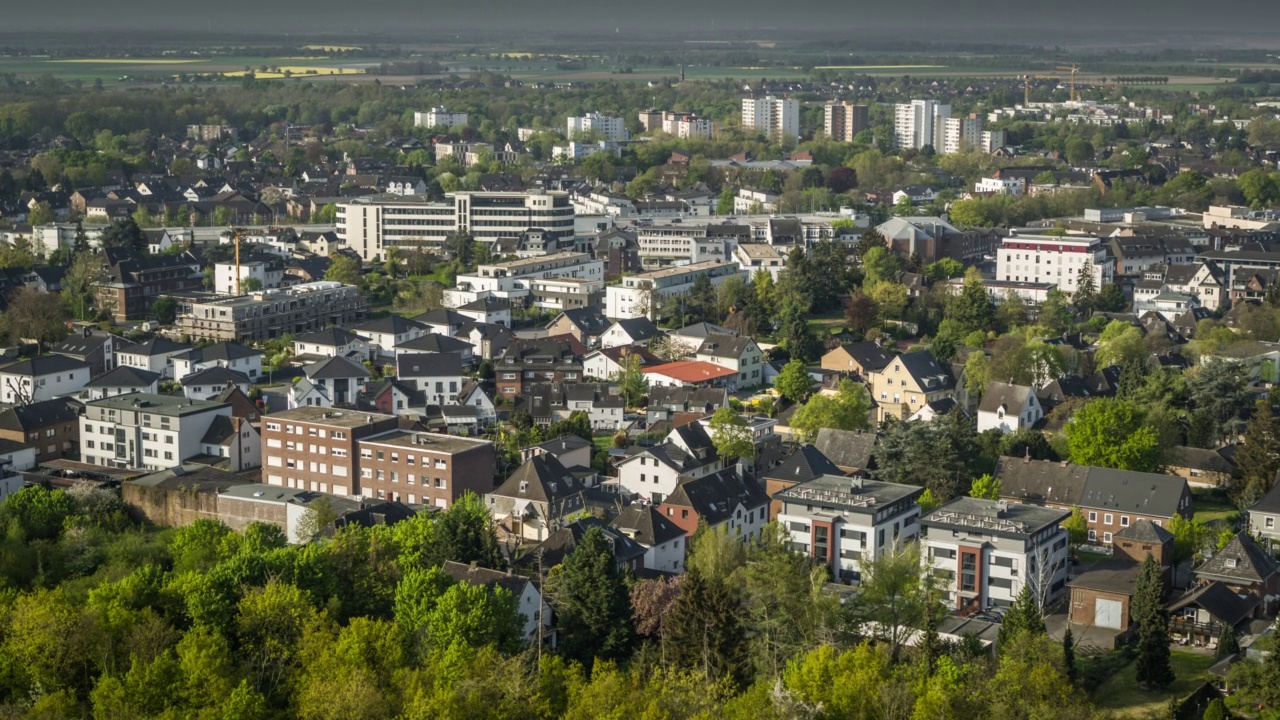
593,602
1069,654
1153,667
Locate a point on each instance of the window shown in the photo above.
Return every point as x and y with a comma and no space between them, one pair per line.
1124,521
1093,516
1106,537
1093,535
1271,522
968,572
168,455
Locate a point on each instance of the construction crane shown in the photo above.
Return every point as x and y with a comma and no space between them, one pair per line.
1073,69
235,233
1026,90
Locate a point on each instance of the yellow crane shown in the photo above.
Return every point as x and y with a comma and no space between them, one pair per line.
1073,69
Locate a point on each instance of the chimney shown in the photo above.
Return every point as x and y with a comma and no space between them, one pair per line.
1002,508
1027,457
474,566
855,483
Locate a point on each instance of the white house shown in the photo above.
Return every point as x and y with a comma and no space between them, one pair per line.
740,354
266,270
473,395
1053,259
122,381
143,431
629,331
1008,408
340,379
846,522
385,334
234,441
749,201
226,355
154,355
438,375
209,383
332,342
986,551
305,393
529,601
655,472
1001,186
664,542
494,310
42,378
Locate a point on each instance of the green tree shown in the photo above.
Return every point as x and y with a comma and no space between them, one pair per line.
1025,616
724,202
125,233
166,310
971,307
794,383
326,215
1085,298
896,594
945,269
630,379
986,487
1119,344
1069,655
77,285
346,270
969,213
268,625
879,265
1227,643
1109,432
1077,528
37,316
977,373
732,436
1154,671
591,596
705,632
849,409
318,515
476,616
40,214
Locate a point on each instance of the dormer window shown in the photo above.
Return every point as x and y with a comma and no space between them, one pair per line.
1231,563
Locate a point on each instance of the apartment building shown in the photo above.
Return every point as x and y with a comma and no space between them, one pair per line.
1053,260
640,295
52,427
776,118
132,284
613,129
314,448
439,117
680,243
514,280
425,468
266,271
141,431
843,121
961,134
269,314
844,522
368,225
986,551
920,123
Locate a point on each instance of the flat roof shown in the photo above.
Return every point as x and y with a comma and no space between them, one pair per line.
682,269
855,494
428,441
173,405
328,416
538,260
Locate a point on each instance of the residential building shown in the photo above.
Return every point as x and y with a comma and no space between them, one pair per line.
122,381
720,499
1008,408
572,451
330,342
845,523
1244,567
586,324
803,464
613,129
515,279
850,450
144,431
424,468
754,257
439,117
630,331
269,314
1111,500
932,238
490,310
908,383
265,270
529,601
775,118
231,444
653,473
843,121
534,502
986,551
370,224
52,427
210,382
442,321
154,355
225,355
315,448
640,295
339,380
628,555
437,375
1264,516
133,284
433,343
669,404
1200,467
690,374
1053,260
663,541
93,347
920,123
386,334
961,134
42,378
740,354
857,360
531,361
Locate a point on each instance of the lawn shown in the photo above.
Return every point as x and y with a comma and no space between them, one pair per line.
1213,508
603,442
1122,694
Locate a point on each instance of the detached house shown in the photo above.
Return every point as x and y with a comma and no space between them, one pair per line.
154,355
42,378
908,383
663,541
51,426
121,381
653,473
529,602
1264,518
438,375
740,354
333,342
227,355
386,334
533,361
725,498
340,380
208,383
535,500
586,324
436,343
1008,408
630,331
858,359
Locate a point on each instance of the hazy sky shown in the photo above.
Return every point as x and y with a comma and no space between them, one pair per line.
431,17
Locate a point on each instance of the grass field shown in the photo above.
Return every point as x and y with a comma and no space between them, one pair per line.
130,61
1213,508
1122,695
297,70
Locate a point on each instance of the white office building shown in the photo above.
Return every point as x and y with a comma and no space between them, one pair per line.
986,551
516,279
439,117
1053,260
639,295
776,118
608,128
369,225
920,123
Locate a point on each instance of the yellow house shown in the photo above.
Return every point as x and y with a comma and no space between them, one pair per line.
859,359
908,383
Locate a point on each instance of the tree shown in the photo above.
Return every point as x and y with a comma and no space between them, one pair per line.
78,282
879,265
796,335
1154,671
971,307
732,436
476,616
896,594
268,625
125,233
1259,187
326,215
891,298
1217,710
1227,643
862,313
1077,528
969,213
794,383
945,269
724,201
346,270
630,379
40,214
868,241
1069,655
318,515
916,453
1109,432
1189,537
250,284
977,373
1119,344
1023,617
1112,299
18,254
849,409
166,310
1219,388
593,602
986,487
1085,298
36,316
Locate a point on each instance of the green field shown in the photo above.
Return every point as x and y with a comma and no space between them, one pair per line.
113,69
1122,695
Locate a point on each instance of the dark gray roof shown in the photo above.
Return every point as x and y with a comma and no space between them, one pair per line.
40,414
1269,503
846,494
487,304
1145,531
222,351
591,320
44,365
926,371
435,343
442,316
1197,459
411,365
1062,483
993,517
846,448
1012,398
391,325
216,375
124,376
334,337
723,346
1219,601
545,480
803,464
639,329
475,575
336,368
868,354
1113,575
644,524
714,497
1241,561
154,346
220,431
702,330
560,543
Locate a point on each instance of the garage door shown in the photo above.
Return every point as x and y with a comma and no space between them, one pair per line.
1106,613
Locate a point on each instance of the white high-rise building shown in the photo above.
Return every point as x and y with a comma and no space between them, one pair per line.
609,128
778,118
1053,260
961,134
920,123
439,117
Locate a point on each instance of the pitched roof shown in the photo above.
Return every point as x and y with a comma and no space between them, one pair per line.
1219,601
332,337
391,325
1240,561
560,543
1198,459
644,524
476,575
802,465
216,375
590,320
442,316
1145,531
1010,398
702,330
154,346
1269,503
541,478
334,368
40,414
925,370
220,352
714,497
691,371
44,365
445,364
868,354
220,431
846,448
724,346
435,343
638,329
124,376
1062,483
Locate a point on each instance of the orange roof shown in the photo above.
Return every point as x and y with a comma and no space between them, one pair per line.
691,371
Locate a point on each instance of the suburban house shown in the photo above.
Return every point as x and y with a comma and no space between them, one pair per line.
664,542
691,374
843,522
391,397
1244,567
121,381
740,354
1008,408
533,503
1111,500
444,321
436,343
605,363
654,472
384,335
858,359
1101,596
803,464
438,375
850,450
585,324
340,379
208,383
227,355
630,331
628,555
493,310
42,378
908,383
230,444
473,395
724,498
52,427
154,355
93,347
1200,467
572,451
1264,517
529,602
672,404
986,551
331,342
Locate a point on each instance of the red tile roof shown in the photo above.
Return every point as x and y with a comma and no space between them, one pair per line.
692,371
